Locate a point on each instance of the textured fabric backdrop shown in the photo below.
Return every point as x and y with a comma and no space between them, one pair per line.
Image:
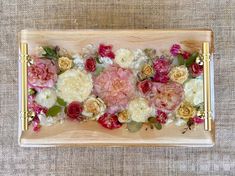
218,15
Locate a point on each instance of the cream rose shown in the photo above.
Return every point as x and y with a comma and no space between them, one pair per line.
186,110
94,107
74,85
139,110
179,74
65,63
124,57
46,98
194,91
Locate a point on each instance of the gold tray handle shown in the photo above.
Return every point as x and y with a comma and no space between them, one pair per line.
24,85
206,85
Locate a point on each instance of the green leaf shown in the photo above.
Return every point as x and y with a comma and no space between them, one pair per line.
180,59
98,60
51,53
98,70
191,59
53,111
134,126
61,102
158,125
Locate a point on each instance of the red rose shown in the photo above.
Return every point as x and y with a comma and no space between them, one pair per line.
144,86
196,69
185,55
74,110
109,121
90,65
106,51
161,117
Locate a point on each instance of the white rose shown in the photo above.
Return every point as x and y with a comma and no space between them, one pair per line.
138,110
179,74
94,107
139,59
74,85
46,98
124,57
194,91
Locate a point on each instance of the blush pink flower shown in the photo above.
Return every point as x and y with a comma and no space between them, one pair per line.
114,85
43,73
166,97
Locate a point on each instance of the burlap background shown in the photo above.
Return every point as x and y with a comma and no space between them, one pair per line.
218,15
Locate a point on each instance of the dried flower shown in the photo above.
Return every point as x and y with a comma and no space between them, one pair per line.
65,63
179,74
144,86
175,49
186,110
94,107
74,110
90,65
196,69
147,70
124,58
109,121
123,116
42,73
106,51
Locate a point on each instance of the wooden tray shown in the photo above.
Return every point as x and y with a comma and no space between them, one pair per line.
91,133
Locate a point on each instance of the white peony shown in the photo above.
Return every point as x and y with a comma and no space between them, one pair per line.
124,58
194,91
74,85
46,98
139,110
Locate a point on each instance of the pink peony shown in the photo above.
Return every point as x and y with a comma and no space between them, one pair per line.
43,73
114,85
166,97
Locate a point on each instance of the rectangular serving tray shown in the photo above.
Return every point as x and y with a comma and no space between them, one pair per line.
91,133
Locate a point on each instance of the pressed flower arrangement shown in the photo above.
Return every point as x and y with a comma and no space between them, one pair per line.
132,89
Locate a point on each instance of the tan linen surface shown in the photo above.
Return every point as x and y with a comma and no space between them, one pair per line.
219,15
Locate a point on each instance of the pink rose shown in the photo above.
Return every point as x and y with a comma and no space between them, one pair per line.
106,51
115,86
198,120
166,97
175,49
162,66
196,69
43,73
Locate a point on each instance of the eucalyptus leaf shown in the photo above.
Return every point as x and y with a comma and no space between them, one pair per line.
152,119
61,102
191,59
53,111
50,53
134,126
180,59
158,125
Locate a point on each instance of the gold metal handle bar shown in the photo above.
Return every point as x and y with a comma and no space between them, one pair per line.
24,87
206,82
